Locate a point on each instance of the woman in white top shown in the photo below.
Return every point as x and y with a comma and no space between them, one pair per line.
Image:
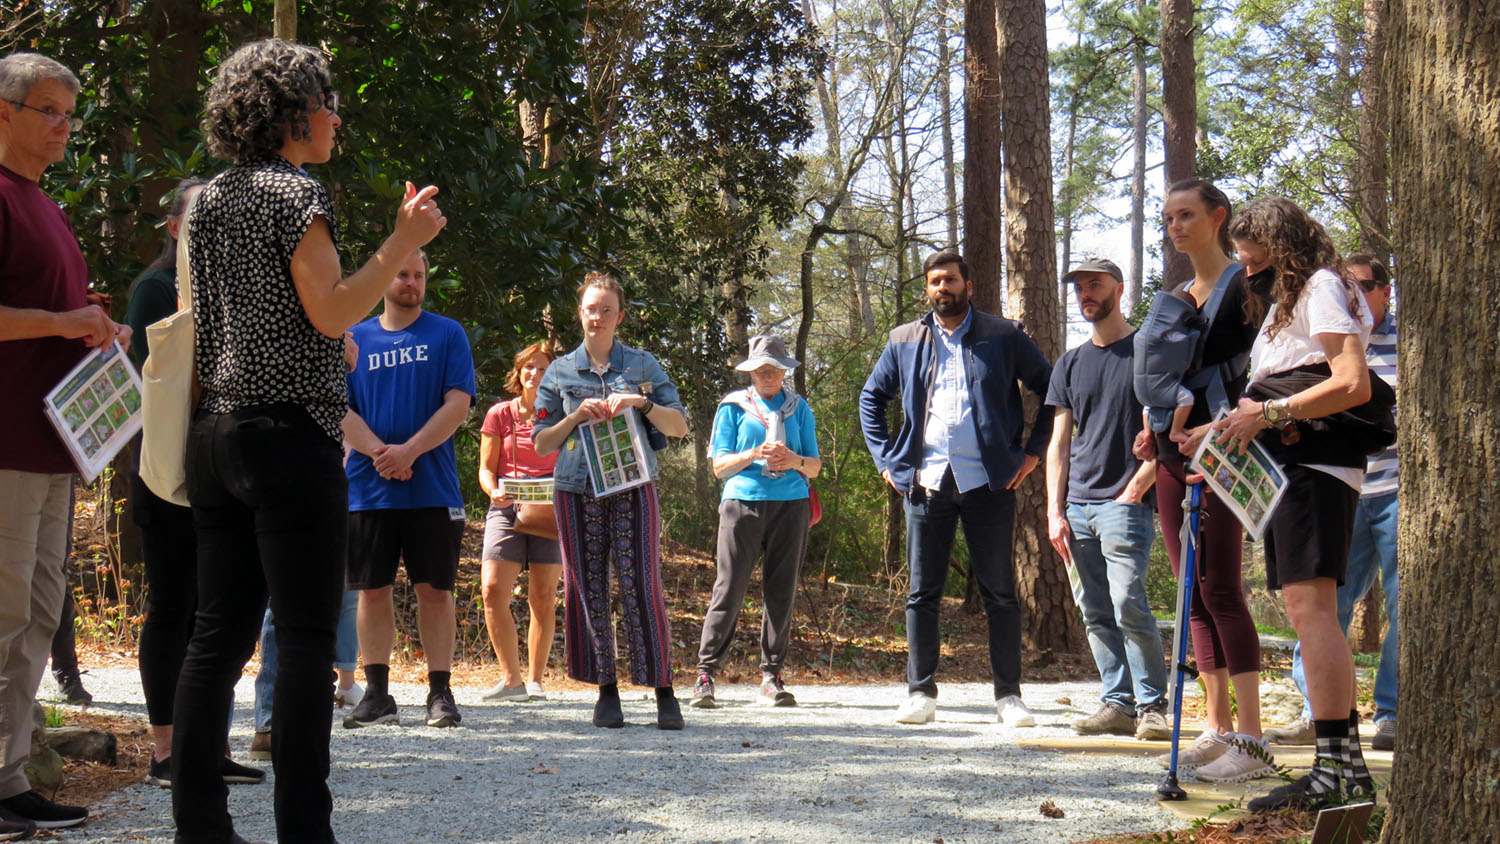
1311,352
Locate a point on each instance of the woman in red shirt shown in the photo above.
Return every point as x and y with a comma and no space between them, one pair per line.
512,545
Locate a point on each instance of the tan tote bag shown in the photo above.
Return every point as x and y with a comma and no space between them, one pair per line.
167,386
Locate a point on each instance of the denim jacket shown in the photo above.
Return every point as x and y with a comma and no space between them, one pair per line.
570,379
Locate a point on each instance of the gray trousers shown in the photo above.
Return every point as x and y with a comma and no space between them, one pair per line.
33,546
749,530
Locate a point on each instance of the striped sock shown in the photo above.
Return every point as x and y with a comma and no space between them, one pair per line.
1332,751
1356,774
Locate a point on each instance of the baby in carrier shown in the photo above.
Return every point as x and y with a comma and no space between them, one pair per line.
1166,348
1168,353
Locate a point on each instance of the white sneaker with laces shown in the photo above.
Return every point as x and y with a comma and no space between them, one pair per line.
534,690
1247,758
348,697
1208,746
918,709
1013,712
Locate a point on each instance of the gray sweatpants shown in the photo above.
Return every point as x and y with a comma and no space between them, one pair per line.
749,530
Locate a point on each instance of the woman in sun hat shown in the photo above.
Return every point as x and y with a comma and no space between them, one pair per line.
765,447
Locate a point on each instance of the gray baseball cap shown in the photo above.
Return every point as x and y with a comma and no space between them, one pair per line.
1095,265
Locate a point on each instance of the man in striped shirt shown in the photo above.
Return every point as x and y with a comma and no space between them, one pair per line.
1373,551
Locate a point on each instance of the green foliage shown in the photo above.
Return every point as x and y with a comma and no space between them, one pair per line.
54,717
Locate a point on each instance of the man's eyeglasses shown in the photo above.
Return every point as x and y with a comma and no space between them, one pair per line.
53,118
1369,285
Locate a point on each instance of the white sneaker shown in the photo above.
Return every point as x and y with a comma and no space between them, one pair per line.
918,709
348,697
511,694
534,691
1246,759
1209,746
1012,712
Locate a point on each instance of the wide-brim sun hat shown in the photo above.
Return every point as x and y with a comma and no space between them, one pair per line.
767,349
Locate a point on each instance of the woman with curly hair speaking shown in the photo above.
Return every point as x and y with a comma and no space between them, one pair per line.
1308,404
264,465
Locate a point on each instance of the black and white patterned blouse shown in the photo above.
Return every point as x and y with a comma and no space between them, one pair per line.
255,344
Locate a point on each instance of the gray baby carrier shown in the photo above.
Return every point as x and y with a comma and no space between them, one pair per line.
1169,353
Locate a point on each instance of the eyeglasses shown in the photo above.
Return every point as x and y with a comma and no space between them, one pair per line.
1370,285
331,102
53,118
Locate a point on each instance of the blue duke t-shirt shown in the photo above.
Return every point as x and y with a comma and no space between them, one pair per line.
397,385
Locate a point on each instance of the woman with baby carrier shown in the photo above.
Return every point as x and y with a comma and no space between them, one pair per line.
1225,642
1309,405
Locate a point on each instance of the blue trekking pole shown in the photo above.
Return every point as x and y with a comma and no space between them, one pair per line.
1192,504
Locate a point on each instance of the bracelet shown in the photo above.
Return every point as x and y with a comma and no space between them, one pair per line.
650,405
801,462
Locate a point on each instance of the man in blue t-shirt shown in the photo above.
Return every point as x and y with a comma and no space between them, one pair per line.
410,389
1096,516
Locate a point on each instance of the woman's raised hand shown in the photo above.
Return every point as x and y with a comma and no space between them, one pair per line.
419,218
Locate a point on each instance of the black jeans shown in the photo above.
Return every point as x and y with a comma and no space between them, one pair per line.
988,517
270,506
171,550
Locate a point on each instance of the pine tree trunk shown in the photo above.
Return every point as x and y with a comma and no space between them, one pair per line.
1442,76
945,100
1373,170
1048,620
1179,101
1138,172
984,235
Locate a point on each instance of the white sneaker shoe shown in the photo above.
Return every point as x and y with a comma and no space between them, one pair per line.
1012,712
1209,746
918,709
348,697
534,691
1246,759
511,694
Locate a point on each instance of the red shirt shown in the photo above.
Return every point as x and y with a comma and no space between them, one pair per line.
41,267
518,457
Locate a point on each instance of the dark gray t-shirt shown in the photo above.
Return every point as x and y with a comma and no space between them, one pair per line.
1095,383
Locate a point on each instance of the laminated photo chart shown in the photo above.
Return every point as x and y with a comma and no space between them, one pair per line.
96,408
1250,482
616,452
527,490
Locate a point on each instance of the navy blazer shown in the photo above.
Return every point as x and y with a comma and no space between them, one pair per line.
998,356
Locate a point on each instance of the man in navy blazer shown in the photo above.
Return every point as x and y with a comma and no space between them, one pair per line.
958,456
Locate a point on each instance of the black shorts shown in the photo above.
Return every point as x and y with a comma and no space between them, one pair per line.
1311,529
428,538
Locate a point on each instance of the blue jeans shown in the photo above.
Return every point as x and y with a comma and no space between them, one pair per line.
1111,551
345,655
988,518
1372,552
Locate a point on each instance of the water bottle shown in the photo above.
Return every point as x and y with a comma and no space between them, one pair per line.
775,433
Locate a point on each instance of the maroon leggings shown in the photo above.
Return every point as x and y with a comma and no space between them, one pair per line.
1224,635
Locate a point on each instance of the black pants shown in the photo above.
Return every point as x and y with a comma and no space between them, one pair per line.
270,505
932,520
64,646
171,550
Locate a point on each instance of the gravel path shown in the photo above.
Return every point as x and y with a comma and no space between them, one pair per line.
834,768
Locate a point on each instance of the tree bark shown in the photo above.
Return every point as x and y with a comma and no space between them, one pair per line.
1443,81
1373,170
284,25
1138,172
1179,99
945,100
1048,620
984,199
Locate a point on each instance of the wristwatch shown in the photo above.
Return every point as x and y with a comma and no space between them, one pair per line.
1276,412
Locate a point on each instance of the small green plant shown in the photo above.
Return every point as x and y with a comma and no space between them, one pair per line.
55,717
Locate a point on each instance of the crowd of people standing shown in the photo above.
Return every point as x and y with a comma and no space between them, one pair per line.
321,459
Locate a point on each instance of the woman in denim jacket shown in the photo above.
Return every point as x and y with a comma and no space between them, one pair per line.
602,379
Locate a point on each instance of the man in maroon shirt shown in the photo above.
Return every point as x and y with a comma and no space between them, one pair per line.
46,327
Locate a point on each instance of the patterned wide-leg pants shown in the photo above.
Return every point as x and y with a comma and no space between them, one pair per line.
626,528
